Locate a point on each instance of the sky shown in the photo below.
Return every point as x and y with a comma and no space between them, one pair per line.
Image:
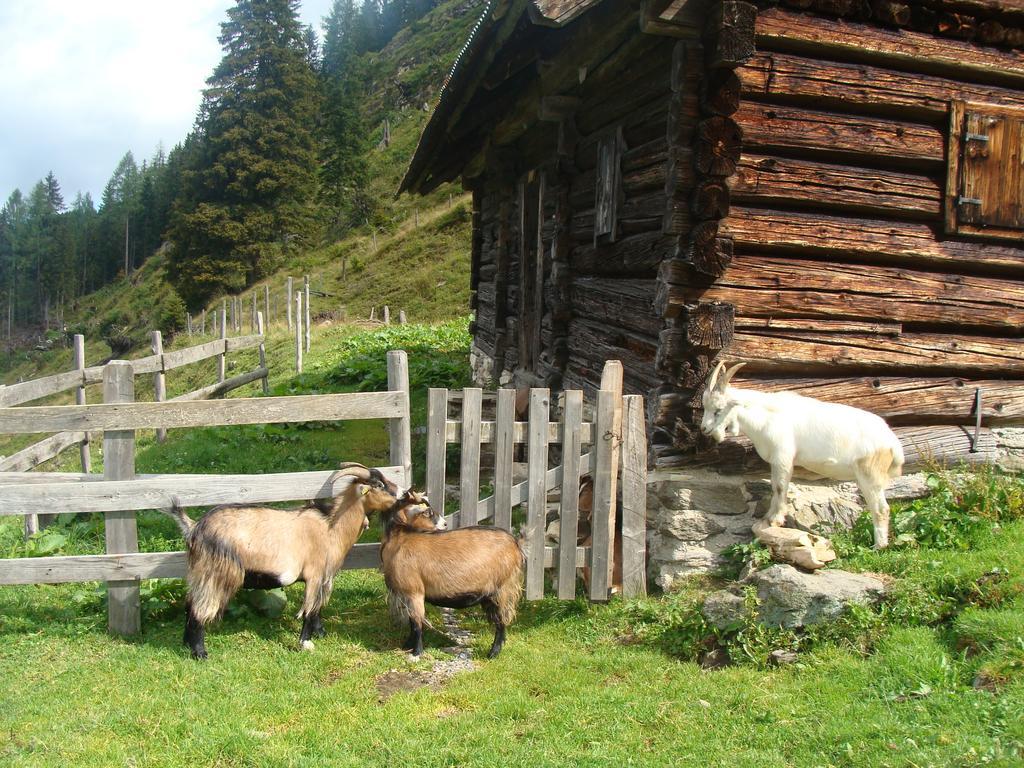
84,82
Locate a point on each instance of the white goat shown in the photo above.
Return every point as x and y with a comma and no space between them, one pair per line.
830,439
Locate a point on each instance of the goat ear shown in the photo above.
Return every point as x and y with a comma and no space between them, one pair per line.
714,375
730,373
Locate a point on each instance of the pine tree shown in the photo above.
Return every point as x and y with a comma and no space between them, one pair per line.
343,168
250,183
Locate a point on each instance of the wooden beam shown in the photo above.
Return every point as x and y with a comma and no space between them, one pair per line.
778,29
770,180
264,410
729,34
870,240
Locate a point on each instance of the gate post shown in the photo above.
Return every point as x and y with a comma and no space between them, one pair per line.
123,603
399,429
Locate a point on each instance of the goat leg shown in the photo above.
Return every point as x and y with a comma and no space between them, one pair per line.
195,634
492,612
781,475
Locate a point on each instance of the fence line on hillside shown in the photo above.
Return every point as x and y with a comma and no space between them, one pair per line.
159,363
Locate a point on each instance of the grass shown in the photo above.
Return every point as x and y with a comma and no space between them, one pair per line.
933,677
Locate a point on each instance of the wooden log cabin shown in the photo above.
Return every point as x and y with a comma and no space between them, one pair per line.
830,190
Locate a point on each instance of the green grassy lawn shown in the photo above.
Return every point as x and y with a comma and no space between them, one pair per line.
932,677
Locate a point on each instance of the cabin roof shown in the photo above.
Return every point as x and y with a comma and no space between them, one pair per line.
491,30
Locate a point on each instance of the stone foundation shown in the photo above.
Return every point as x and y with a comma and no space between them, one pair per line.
693,515
481,366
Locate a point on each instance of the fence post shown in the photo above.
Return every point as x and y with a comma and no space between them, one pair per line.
222,359
83,447
263,352
308,313
252,316
123,606
298,331
288,301
202,328
600,546
266,304
159,379
402,320
386,315
437,417
469,473
399,428
188,321
537,498
611,381
504,437
568,531
634,497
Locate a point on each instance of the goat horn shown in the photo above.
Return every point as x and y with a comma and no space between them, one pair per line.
730,373
351,469
714,374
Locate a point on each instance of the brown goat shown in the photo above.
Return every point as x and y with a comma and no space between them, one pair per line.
238,545
451,569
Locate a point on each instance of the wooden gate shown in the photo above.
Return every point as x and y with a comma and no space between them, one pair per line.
613,438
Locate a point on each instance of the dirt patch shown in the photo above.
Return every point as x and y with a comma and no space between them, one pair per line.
397,681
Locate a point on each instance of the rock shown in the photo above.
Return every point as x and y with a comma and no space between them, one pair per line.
791,598
781,658
691,525
723,609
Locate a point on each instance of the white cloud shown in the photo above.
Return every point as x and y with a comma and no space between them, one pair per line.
82,83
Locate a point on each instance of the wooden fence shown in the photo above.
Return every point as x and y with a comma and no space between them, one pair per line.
618,422
157,364
120,493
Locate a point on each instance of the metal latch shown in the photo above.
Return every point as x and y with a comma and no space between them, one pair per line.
968,201
975,137
977,420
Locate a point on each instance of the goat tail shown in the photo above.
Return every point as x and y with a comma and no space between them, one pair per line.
507,596
177,513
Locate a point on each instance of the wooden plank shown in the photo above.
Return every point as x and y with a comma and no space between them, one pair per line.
124,610
260,329
37,453
568,529
874,90
159,379
905,400
236,343
768,180
400,428
159,565
180,357
47,492
872,240
469,471
536,522
602,535
767,286
611,381
222,359
957,112
934,354
778,29
437,413
80,399
634,498
173,414
520,432
219,388
27,391
838,135
504,420
823,326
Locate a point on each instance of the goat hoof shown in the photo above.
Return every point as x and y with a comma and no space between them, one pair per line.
200,655
307,645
